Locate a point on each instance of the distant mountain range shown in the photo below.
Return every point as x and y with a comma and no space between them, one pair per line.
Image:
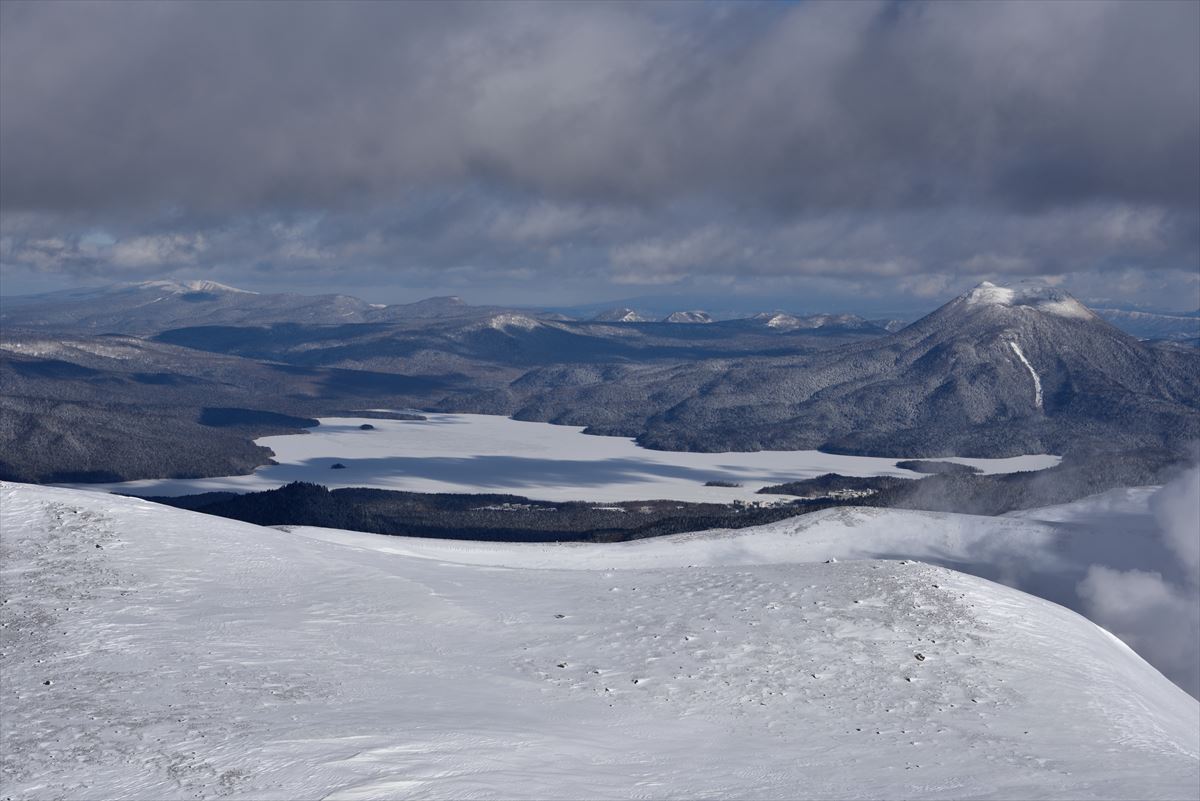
151,307
155,306
1156,325
996,372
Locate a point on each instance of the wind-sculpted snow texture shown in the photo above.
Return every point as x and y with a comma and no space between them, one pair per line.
158,654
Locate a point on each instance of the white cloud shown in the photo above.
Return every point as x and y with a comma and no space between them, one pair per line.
663,259
1177,509
1157,616
166,251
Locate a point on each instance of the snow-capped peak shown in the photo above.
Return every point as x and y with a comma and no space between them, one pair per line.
989,293
688,317
1047,299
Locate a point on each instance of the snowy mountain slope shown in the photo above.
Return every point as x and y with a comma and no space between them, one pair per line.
1043,557
1058,553
193,657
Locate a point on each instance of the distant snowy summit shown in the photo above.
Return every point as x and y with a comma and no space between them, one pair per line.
182,287
688,317
622,315
778,320
1046,299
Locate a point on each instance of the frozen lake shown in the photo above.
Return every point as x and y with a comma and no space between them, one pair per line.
487,453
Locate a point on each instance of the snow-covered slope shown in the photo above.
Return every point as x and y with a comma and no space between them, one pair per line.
155,653
1062,553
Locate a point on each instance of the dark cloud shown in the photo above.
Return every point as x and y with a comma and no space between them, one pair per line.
243,104
475,243
634,142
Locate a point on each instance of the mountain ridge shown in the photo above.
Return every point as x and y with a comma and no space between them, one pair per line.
992,372
995,372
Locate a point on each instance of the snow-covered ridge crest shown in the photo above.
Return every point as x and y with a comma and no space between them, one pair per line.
1038,296
694,316
179,287
110,348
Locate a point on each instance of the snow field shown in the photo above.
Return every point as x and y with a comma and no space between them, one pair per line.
191,657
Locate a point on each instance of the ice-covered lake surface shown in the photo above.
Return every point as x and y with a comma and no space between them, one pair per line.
489,453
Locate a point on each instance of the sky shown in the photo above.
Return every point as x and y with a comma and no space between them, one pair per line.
801,155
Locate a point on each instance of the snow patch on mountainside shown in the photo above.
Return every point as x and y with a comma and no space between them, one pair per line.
1037,382
157,653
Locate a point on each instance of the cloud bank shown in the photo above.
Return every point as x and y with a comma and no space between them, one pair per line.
904,144
1158,617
